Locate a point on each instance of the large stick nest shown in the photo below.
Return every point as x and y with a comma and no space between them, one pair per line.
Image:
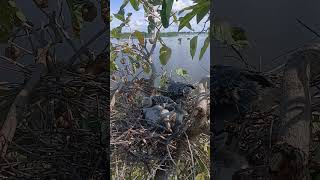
62,132
136,142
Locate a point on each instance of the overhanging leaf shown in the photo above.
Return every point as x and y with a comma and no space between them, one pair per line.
184,21
165,54
202,12
204,47
193,46
165,12
135,4
119,16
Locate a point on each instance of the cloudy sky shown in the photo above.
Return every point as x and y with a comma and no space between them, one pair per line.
139,23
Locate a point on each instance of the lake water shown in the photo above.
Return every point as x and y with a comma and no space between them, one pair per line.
181,58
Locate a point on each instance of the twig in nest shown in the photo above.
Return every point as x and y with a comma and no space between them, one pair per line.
170,156
191,155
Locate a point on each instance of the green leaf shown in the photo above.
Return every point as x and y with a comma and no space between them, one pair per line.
222,32
165,54
201,176
204,47
175,19
238,34
135,4
188,25
203,11
119,16
10,16
75,9
165,12
186,19
181,72
116,32
193,46
140,37
21,16
124,4
146,68
113,65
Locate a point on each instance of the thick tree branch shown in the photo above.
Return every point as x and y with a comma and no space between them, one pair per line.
16,110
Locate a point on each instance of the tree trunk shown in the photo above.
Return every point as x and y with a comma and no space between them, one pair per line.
290,154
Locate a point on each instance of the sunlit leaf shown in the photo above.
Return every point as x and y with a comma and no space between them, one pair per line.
202,10
135,4
193,46
113,66
146,68
119,16
201,176
140,37
165,54
184,21
116,32
181,72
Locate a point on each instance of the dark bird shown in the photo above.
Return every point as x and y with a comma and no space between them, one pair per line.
156,100
234,91
178,90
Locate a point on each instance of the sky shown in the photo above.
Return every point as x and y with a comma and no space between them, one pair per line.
139,23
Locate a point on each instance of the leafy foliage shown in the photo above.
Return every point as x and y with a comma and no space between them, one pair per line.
193,46
223,32
10,16
165,12
165,54
81,11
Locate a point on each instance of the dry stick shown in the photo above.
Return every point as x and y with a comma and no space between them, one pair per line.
9,126
83,48
15,63
191,155
308,27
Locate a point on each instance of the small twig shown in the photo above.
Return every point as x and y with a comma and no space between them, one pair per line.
191,155
170,156
308,27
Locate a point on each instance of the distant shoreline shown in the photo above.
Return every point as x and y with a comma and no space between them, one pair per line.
126,35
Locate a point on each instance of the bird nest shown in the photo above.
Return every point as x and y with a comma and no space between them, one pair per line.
61,133
137,143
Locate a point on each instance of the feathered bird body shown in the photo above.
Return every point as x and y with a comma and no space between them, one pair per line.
234,90
156,100
177,90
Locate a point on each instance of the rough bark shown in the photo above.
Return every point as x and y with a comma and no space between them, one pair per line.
17,108
290,154
200,114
